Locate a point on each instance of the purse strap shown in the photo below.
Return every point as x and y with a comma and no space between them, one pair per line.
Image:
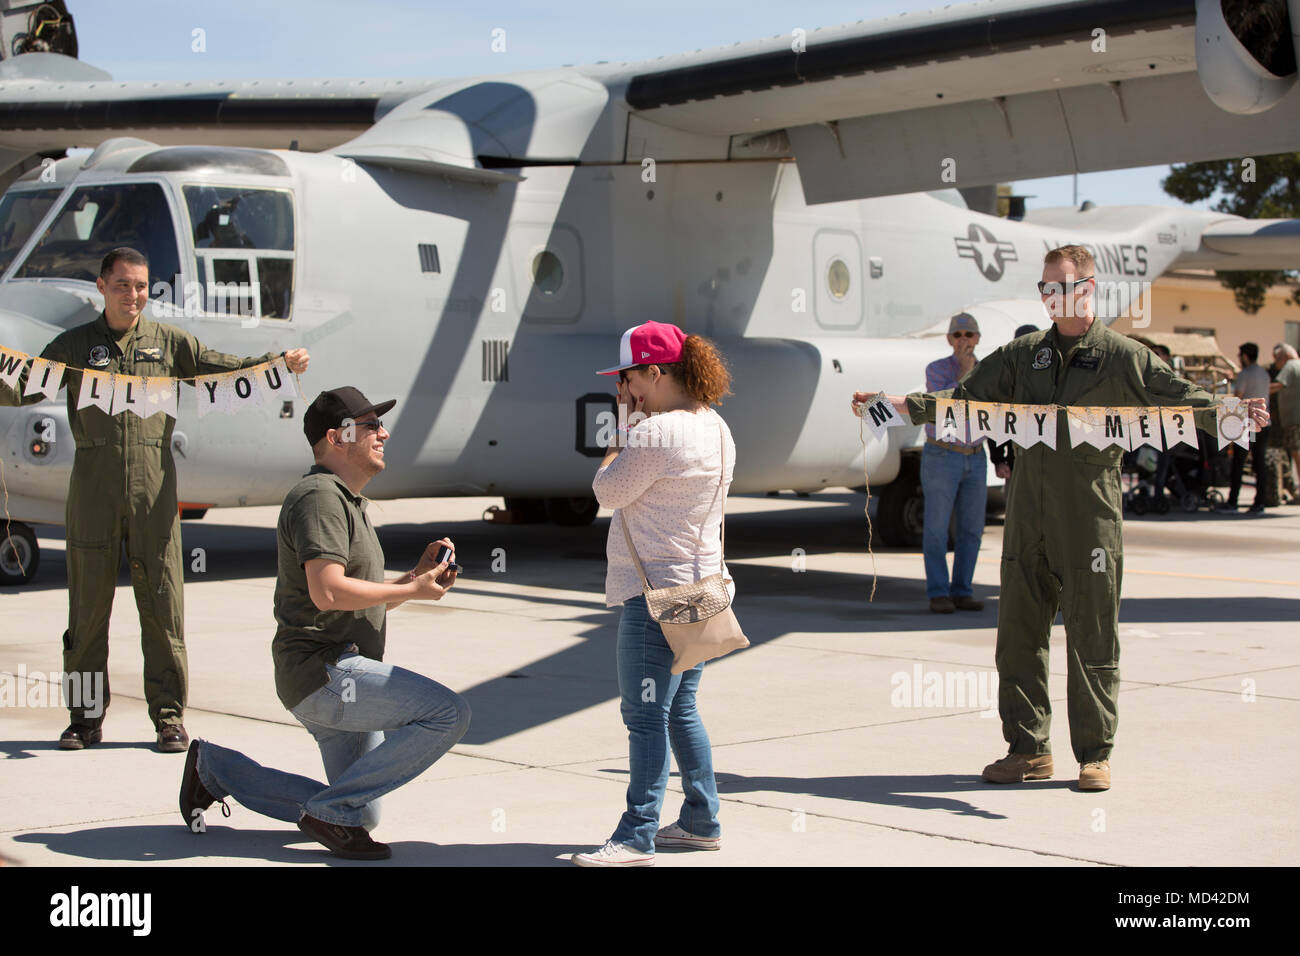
627,536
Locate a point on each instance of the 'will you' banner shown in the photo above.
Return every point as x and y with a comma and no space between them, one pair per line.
113,394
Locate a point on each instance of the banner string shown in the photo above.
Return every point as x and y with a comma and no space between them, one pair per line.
866,509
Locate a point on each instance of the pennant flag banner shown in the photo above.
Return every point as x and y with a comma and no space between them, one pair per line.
879,415
1041,426
950,420
1234,424
980,415
1178,425
97,390
44,378
11,366
144,396
1128,426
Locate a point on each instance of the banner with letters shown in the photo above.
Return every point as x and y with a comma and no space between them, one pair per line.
226,392
1128,426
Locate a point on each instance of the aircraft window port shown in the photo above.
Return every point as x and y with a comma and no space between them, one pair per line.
96,220
225,217
837,277
20,213
548,274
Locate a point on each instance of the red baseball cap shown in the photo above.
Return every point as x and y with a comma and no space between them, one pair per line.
652,343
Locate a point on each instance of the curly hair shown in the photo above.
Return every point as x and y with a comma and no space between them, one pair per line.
702,372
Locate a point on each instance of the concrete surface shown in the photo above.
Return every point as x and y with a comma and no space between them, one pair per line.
819,761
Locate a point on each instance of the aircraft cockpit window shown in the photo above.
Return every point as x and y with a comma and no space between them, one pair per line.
243,238
97,219
20,213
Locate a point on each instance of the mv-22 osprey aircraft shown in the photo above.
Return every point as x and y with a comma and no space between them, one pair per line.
476,246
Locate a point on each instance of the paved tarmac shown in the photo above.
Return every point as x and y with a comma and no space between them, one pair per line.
826,752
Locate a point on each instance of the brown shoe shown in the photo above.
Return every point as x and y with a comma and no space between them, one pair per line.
942,605
1095,775
172,739
967,603
351,843
195,798
79,737
1017,768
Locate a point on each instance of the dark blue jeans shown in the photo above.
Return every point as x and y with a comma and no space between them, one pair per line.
951,481
659,712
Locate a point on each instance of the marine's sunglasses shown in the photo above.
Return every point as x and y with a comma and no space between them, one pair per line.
963,335
1051,288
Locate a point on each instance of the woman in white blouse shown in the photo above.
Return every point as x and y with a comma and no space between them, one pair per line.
666,476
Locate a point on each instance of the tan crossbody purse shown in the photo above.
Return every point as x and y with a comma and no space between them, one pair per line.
697,618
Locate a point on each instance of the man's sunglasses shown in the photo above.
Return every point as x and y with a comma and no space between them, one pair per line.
1051,288
963,335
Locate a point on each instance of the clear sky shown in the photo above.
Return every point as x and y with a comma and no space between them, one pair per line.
154,40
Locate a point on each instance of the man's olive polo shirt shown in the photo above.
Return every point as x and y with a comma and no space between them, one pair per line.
322,518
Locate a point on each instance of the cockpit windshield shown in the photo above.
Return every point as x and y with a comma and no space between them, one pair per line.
20,213
97,219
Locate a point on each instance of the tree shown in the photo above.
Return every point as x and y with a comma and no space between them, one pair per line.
1271,192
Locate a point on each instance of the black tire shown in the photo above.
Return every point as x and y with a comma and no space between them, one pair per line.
19,559
901,512
1162,505
572,512
531,510
1140,505
1189,502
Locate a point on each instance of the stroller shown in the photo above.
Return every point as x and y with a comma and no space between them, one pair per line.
1189,476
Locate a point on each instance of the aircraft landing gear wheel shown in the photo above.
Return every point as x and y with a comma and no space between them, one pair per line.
1189,502
900,515
571,512
20,555
1162,505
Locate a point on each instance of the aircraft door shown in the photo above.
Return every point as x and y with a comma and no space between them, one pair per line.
837,279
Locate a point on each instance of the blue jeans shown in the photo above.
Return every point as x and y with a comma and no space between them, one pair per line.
377,727
952,481
659,711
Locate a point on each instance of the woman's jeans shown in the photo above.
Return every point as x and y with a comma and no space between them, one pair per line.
377,727
659,711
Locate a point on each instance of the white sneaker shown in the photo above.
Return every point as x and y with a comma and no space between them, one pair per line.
673,835
614,854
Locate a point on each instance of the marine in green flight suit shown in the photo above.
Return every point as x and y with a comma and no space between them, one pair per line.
123,489
1062,545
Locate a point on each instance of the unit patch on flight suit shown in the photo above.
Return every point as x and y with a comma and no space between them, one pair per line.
1043,358
98,356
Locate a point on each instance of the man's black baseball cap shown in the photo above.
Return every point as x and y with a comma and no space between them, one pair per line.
334,405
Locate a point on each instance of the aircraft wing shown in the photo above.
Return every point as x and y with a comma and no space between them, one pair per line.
49,102
1245,244
986,92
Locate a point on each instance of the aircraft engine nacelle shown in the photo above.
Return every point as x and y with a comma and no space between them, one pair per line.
1246,52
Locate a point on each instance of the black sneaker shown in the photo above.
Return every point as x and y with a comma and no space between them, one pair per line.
1255,509
351,843
195,797
79,737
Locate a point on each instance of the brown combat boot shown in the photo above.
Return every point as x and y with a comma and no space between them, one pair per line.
1095,775
942,605
1017,768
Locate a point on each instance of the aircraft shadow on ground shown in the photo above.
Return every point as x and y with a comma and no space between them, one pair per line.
573,559
154,843
26,749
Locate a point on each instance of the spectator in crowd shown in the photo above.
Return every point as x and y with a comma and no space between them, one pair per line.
1251,382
